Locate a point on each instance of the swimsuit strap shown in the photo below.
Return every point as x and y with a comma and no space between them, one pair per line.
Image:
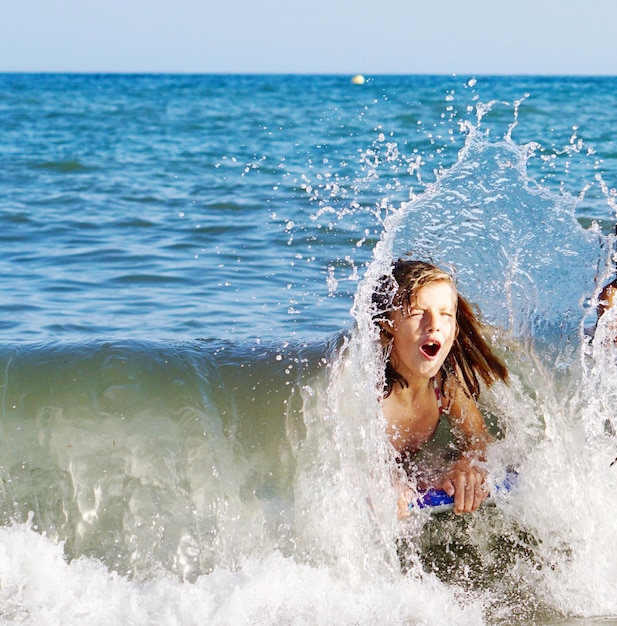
437,394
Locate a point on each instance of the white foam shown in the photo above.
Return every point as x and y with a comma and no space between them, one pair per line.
40,587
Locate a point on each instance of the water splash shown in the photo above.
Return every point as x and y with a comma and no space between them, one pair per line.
525,260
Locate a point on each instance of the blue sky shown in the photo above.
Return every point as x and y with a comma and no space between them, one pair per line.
320,36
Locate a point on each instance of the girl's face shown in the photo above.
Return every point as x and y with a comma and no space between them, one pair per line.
423,334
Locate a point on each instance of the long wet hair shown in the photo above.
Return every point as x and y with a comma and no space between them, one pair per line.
469,360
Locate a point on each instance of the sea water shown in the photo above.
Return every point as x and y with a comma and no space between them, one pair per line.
189,426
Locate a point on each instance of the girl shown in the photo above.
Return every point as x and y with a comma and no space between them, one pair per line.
434,353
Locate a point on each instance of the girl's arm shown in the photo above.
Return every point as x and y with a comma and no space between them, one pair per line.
465,481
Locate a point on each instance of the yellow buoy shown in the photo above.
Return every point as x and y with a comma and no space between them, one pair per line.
358,79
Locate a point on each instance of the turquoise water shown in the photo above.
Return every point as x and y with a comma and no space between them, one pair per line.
175,200
189,431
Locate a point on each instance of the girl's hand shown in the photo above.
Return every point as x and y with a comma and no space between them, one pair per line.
466,483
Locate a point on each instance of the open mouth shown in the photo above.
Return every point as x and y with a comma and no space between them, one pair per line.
430,349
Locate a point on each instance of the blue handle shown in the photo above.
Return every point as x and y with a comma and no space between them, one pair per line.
439,499
432,497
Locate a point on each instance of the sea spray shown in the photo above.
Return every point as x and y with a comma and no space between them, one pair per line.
520,255
583,479
523,259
